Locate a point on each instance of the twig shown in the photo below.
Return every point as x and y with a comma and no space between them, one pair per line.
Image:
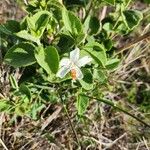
109,102
3,144
115,141
50,118
72,127
25,2
145,142
103,13
129,45
1,122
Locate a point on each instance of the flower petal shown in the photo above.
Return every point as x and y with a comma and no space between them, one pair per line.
83,61
65,62
74,55
79,74
63,71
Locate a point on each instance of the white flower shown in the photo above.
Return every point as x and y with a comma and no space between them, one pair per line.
73,65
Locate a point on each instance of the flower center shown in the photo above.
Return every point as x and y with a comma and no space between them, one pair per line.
73,74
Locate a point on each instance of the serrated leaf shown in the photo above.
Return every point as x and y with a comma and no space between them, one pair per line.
132,18
20,55
48,59
82,104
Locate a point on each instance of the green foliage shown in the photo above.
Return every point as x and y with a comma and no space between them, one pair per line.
71,22
112,63
38,22
92,25
50,32
4,105
13,82
10,27
25,35
112,2
132,18
20,55
82,104
87,81
48,59
97,52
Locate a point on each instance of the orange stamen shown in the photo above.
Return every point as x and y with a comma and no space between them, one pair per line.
73,74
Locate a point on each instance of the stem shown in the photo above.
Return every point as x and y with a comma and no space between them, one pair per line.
72,127
108,102
129,45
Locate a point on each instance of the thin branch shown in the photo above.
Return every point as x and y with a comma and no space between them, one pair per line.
72,127
129,45
103,13
25,2
3,144
115,141
109,102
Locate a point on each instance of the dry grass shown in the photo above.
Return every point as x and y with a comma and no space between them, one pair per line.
103,127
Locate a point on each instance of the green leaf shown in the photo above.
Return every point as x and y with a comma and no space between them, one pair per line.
97,52
48,59
20,55
132,18
71,22
91,25
111,2
68,40
25,90
10,27
87,81
13,82
20,110
82,104
99,75
4,30
112,63
94,25
35,109
25,35
108,27
147,1
38,22
4,105
80,38
108,44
